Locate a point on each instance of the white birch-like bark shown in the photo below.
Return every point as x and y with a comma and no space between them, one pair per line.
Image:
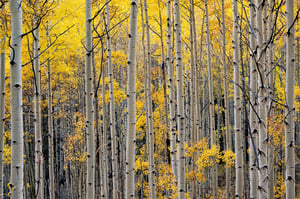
149,109
2,105
171,92
192,74
262,104
90,177
214,182
253,108
50,127
237,105
38,152
270,102
103,139
226,101
131,134
112,123
50,135
290,106
180,101
17,142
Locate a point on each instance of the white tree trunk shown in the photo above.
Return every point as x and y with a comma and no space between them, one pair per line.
131,135
149,109
290,107
112,123
171,92
237,105
226,101
262,104
38,153
16,178
253,141
90,181
214,175
180,101
2,105
50,127
271,107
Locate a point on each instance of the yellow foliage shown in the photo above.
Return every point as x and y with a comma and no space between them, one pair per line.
229,158
279,189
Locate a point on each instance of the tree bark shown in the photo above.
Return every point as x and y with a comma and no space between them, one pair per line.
17,142
290,107
253,106
2,105
214,175
131,135
226,102
171,93
237,105
180,102
271,107
149,109
50,129
262,103
112,123
39,174
90,178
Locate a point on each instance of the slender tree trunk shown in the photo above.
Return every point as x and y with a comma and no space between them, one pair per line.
180,101
131,135
271,107
16,182
149,109
192,74
50,130
214,175
39,177
290,107
171,93
112,123
2,105
90,183
253,106
226,102
103,138
237,105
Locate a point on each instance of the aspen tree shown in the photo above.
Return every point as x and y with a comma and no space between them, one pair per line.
2,104
180,101
103,138
39,174
192,73
290,107
237,105
131,134
270,102
17,142
211,105
50,126
262,104
90,177
171,86
149,109
253,108
226,101
112,123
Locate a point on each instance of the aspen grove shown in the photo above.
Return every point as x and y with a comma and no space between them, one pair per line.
149,99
